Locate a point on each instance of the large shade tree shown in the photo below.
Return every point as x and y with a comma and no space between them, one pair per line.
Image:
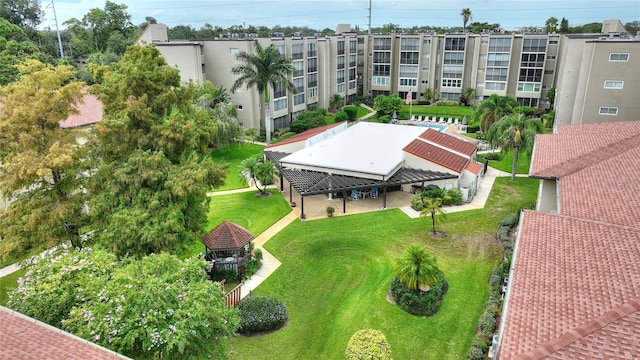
264,68
149,191
515,132
40,163
15,47
416,268
492,109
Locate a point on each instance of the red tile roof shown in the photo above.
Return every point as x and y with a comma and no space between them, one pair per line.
436,155
474,168
449,142
24,338
303,136
89,112
226,236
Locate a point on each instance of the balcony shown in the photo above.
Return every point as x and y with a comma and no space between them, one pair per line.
313,53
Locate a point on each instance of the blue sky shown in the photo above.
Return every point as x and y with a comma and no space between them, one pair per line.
327,14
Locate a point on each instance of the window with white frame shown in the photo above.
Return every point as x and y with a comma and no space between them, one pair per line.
280,104
340,76
608,110
494,85
299,68
408,82
408,71
340,88
312,92
619,57
456,83
529,87
449,96
380,80
299,84
613,84
298,99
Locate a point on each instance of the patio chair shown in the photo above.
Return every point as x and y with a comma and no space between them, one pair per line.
450,121
355,194
441,120
413,118
456,121
374,192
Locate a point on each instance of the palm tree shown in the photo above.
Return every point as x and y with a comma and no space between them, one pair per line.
265,68
467,95
515,131
428,94
432,209
492,109
466,16
417,268
335,102
258,169
551,25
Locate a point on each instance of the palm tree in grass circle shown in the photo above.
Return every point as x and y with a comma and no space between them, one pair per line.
264,68
432,209
417,269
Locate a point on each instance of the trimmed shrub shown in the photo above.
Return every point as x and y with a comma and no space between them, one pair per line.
447,200
261,313
473,129
434,193
425,304
252,267
384,118
417,203
308,120
257,254
447,103
455,195
351,111
493,156
341,116
368,344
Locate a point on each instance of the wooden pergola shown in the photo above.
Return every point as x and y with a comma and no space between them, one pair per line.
228,246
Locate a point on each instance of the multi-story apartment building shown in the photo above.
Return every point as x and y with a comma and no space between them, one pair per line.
520,65
595,74
324,66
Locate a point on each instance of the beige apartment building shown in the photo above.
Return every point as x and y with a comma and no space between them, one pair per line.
596,75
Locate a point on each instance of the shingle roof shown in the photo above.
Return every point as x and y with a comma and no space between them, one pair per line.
303,136
24,338
227,236
450,142
89,112
436,155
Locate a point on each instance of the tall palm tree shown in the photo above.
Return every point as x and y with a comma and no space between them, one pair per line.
261,171
466,16
492,109
468,94
264,68
432,209
417,268
517,132
335,102
551,25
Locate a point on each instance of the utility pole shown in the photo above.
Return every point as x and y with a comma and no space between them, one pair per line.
55,18
370,17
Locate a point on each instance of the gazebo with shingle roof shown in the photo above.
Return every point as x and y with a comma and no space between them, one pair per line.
228,246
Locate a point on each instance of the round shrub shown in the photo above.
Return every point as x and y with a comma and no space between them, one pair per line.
341,116
416,202
351,111
384,118
368,344
257,254
261,313
424,304
456,196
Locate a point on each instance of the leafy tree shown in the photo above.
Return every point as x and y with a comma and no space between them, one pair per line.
15,47
265,68
386,105
551,96
632,27
564,26
478,27
159,306
417,268
493,108
308,119
351,111
466,16
262,172
40,163
428,94
208,95
515,131
149,190
23,13
103,23
335,102
432,209
551,25
181,32
368,344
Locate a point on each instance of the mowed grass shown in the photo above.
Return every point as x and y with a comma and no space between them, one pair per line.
335,273
255,214
432,110
232,155
505,164
9,283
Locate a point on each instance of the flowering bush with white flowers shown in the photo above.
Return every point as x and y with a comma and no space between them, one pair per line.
261,313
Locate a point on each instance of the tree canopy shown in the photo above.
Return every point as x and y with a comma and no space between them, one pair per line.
40,163
417,268
15,47
149,191
493,108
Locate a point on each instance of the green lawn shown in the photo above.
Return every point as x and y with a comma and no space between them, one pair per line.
8,283
506,163
445,111
362,112
232,155
252,213
336,271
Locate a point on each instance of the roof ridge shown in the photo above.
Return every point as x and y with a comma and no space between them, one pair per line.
547,348
593,221
594,156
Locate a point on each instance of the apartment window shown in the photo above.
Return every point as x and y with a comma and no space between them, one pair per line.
298,99
484,41
280,48
234,51
297,51
553,42
408,57
426,57
340,88
280,104
299,84
452,83
341,47
480,84
352,84
495,59
454,58
312,92
483,56
239,107
426,42
531,75
534,45
532,102
528,87
381,70
548,72
454,44
341,62
352,74
380,80
279,91
409,44
340,76
449,96
408,82
551,57
532,60
500,45
299,68
352,46
622,57
606,110
352,60
408,71
425,68
613,84
312,65
497,74
312,80
492,85
383,57
382,44
312,50
449,71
